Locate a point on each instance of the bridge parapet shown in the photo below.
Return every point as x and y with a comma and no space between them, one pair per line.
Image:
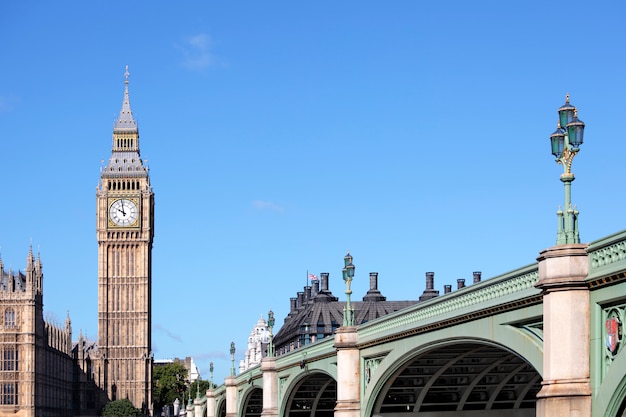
512,287
322,348
607,257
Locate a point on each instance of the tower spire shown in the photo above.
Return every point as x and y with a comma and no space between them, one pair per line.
125,122
125,156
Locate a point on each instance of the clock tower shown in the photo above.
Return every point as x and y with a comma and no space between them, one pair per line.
125,230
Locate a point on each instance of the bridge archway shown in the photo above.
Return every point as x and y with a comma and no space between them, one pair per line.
459,376
221,408
253,404
612,392
314,395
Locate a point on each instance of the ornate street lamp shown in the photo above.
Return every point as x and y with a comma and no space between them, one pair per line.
270,324
565,143
348,274
211,375
232,358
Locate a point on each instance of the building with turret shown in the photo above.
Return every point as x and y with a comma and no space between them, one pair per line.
42,372
257,345
38,372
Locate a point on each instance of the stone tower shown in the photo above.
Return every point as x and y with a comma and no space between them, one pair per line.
125,231
21,304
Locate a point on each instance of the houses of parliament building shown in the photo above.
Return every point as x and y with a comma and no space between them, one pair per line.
42,371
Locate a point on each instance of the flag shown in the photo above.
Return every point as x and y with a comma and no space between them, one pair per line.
313,277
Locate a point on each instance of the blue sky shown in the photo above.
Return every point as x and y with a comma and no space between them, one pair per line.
281,134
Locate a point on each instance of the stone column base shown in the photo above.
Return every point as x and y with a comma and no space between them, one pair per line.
564,407
269,412
564,399
347,409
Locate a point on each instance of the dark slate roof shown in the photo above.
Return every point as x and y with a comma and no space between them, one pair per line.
19,280
316,313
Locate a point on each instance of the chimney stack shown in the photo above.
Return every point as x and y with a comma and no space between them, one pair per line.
300,299
324,276
373,294
447,289
324,295
460,283
430,280
429,292
316,287
477,276
373,280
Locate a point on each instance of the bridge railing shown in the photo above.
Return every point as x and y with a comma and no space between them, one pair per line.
488,294
607,256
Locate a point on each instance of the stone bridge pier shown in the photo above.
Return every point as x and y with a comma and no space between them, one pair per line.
566,389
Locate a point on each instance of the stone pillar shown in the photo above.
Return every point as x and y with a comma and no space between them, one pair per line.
231,396
197,405
210,403
566,389
270,387
348,373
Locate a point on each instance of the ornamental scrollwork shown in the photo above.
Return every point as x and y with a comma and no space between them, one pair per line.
370,366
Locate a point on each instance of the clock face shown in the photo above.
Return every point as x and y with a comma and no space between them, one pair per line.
123,212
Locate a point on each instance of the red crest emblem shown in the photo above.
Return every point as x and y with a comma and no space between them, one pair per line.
612,334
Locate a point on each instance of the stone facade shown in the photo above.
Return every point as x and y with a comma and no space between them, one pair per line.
42,373
257,345
125,230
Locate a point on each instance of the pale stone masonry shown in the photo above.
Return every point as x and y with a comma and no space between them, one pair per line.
125,231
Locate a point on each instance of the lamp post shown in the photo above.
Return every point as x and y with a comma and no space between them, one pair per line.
232,358
348,274
565,143
211,375
270,324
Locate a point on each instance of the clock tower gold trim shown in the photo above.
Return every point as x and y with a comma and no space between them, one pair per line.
136,202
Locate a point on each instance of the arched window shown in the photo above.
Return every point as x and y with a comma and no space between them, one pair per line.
9,359
8,395
9,317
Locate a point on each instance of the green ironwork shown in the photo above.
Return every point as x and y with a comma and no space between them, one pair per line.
348,275
211,375
505,310
232,358
565,143
270,325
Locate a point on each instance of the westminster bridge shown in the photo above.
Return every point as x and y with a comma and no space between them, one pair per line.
545,339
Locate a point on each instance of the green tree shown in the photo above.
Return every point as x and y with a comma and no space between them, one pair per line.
204,385
169,382
120,408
